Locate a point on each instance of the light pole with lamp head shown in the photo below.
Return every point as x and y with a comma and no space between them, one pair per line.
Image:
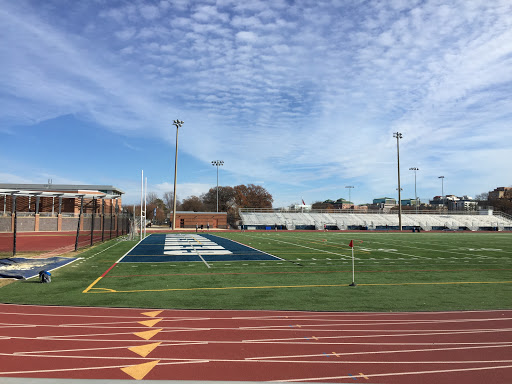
442,188
178,125
398,136
217,163
415,193
349,189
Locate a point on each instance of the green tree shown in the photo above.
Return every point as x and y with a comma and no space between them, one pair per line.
226,199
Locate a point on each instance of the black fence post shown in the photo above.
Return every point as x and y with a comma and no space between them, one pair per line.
111,216
13,213
117,218
78,225
102,220
92,221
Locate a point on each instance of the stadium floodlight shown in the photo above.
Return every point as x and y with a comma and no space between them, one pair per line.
217,163
442,188
178,125
398,136
349,189
415,193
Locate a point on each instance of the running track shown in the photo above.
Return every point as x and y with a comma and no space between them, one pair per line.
106,343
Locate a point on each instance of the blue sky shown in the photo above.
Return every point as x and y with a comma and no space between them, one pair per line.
301,97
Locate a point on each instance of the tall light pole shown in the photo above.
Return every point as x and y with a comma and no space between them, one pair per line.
398,136
217,163
415,193
349,189
178,125
442,188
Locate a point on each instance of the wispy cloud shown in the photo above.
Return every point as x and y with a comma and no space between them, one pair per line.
292,94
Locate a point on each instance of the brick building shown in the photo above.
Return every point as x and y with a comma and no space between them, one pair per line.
56,207
187,219
500,193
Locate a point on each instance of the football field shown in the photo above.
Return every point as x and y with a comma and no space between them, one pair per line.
290,270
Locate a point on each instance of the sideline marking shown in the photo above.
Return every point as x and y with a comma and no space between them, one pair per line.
108,270
297,286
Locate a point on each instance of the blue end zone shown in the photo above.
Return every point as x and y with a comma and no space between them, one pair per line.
159,248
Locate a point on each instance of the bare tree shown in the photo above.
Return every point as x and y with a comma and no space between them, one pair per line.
484,196
168,199
192,203
151,197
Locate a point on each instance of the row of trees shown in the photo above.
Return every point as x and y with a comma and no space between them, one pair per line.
230,200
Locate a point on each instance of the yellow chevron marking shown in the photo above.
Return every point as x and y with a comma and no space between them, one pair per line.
152,314
144,350
147,334
139,371
149,323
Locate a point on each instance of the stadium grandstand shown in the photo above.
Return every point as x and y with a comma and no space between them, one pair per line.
484,220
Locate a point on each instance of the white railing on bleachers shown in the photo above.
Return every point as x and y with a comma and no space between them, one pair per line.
374,220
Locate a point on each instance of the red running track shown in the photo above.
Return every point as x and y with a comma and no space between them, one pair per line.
48,241
107,343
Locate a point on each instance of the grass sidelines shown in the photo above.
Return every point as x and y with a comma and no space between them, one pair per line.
394,272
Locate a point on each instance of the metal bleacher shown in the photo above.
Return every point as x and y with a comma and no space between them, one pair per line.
342,220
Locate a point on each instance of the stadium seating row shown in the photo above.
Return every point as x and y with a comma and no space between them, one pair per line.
292,220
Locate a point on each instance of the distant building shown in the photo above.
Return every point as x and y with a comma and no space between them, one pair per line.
410,202
385,201
454,203
341,203
500,193
209,220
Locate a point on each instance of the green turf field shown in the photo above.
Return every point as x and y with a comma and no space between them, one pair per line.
393,272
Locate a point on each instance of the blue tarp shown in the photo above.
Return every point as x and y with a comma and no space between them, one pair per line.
21,268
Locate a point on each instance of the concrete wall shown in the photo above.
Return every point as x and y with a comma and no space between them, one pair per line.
26,224
69,223
5,224
48,223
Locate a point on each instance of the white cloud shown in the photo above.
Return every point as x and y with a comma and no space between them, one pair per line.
313,84
126,34
149,12
247,36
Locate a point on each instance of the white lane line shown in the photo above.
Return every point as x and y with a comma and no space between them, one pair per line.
382,335
263,358
94,368
52,351
396,374
330,361
278,313
388,322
